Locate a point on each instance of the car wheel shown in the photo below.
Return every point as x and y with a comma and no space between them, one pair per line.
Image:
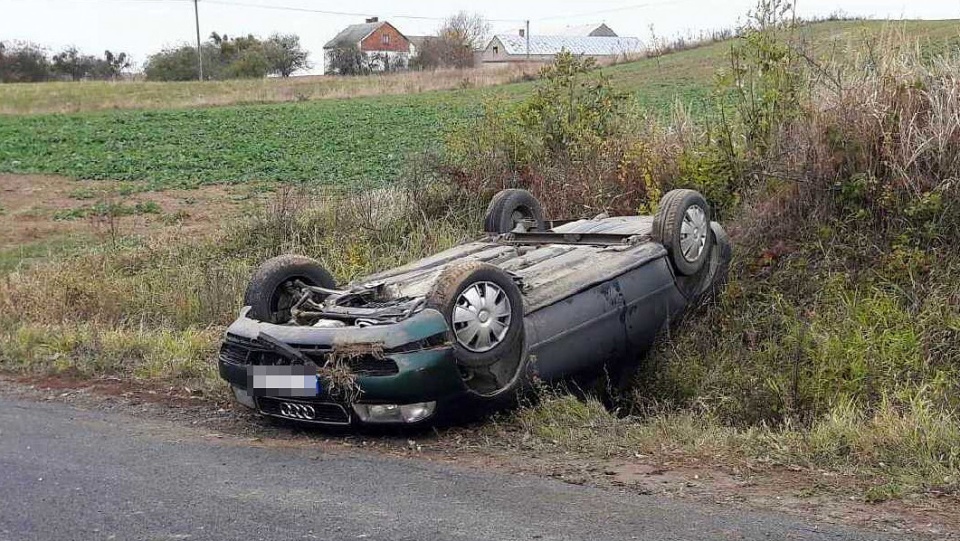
709,280
484,312
272,290
682,225
509,208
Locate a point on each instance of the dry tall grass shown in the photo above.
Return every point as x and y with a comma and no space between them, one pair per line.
68,97
835,344
156,311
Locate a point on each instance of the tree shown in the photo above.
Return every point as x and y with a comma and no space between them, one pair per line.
347,60
71,63
466,29
180,63
23,62
285,56
113,65
249,63
455,42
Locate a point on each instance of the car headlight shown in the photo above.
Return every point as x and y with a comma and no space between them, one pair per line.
395,413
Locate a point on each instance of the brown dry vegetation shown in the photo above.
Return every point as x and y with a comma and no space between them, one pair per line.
44,217
68,97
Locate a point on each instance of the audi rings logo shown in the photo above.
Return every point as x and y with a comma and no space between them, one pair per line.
298,411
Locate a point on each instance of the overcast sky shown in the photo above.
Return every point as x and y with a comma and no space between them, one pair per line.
140,27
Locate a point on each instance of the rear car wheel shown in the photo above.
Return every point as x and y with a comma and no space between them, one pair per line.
273,291
511,207
710,279
682,225
484,312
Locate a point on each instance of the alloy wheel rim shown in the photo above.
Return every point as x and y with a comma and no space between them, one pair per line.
481,317
693,233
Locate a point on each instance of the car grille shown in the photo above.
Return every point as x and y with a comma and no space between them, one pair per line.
370,365
327,413
234,354
241,351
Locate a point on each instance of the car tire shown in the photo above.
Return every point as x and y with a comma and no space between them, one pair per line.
508,208
682,225
710,279
266,295
472,296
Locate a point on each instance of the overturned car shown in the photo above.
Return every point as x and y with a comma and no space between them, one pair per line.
467,329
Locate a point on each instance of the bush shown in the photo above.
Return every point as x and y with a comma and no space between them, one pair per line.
842,292
577,143
180,64
347,60
22,62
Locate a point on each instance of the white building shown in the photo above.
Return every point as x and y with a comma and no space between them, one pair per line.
508,48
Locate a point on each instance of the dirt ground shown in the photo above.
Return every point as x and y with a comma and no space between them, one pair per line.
42,209
816,495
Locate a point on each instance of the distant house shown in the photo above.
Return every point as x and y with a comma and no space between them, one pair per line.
417,43
382,46
588,31
508,48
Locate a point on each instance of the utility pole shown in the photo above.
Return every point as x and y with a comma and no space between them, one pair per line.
196,13
528,40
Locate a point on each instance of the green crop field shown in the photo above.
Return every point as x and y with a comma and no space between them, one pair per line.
326,142
337,141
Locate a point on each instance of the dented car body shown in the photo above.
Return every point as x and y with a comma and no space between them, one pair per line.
469,328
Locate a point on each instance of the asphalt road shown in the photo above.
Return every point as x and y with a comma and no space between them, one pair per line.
67,473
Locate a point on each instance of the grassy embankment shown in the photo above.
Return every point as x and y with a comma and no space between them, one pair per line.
833,347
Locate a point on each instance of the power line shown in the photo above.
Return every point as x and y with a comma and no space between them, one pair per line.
611,10
341,13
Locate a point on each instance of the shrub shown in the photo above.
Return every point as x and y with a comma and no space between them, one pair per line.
22,62
842,291
577,143
180,64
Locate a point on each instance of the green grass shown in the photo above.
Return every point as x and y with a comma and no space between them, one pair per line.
105,209
335,141
23,256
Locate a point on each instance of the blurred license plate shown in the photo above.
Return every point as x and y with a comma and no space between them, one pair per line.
284,381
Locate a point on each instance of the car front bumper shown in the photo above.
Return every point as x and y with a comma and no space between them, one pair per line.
420,369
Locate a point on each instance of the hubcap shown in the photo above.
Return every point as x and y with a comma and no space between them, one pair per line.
693,233
481,317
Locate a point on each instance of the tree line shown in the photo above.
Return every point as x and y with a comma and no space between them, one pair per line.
24,62
243,57
224,57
